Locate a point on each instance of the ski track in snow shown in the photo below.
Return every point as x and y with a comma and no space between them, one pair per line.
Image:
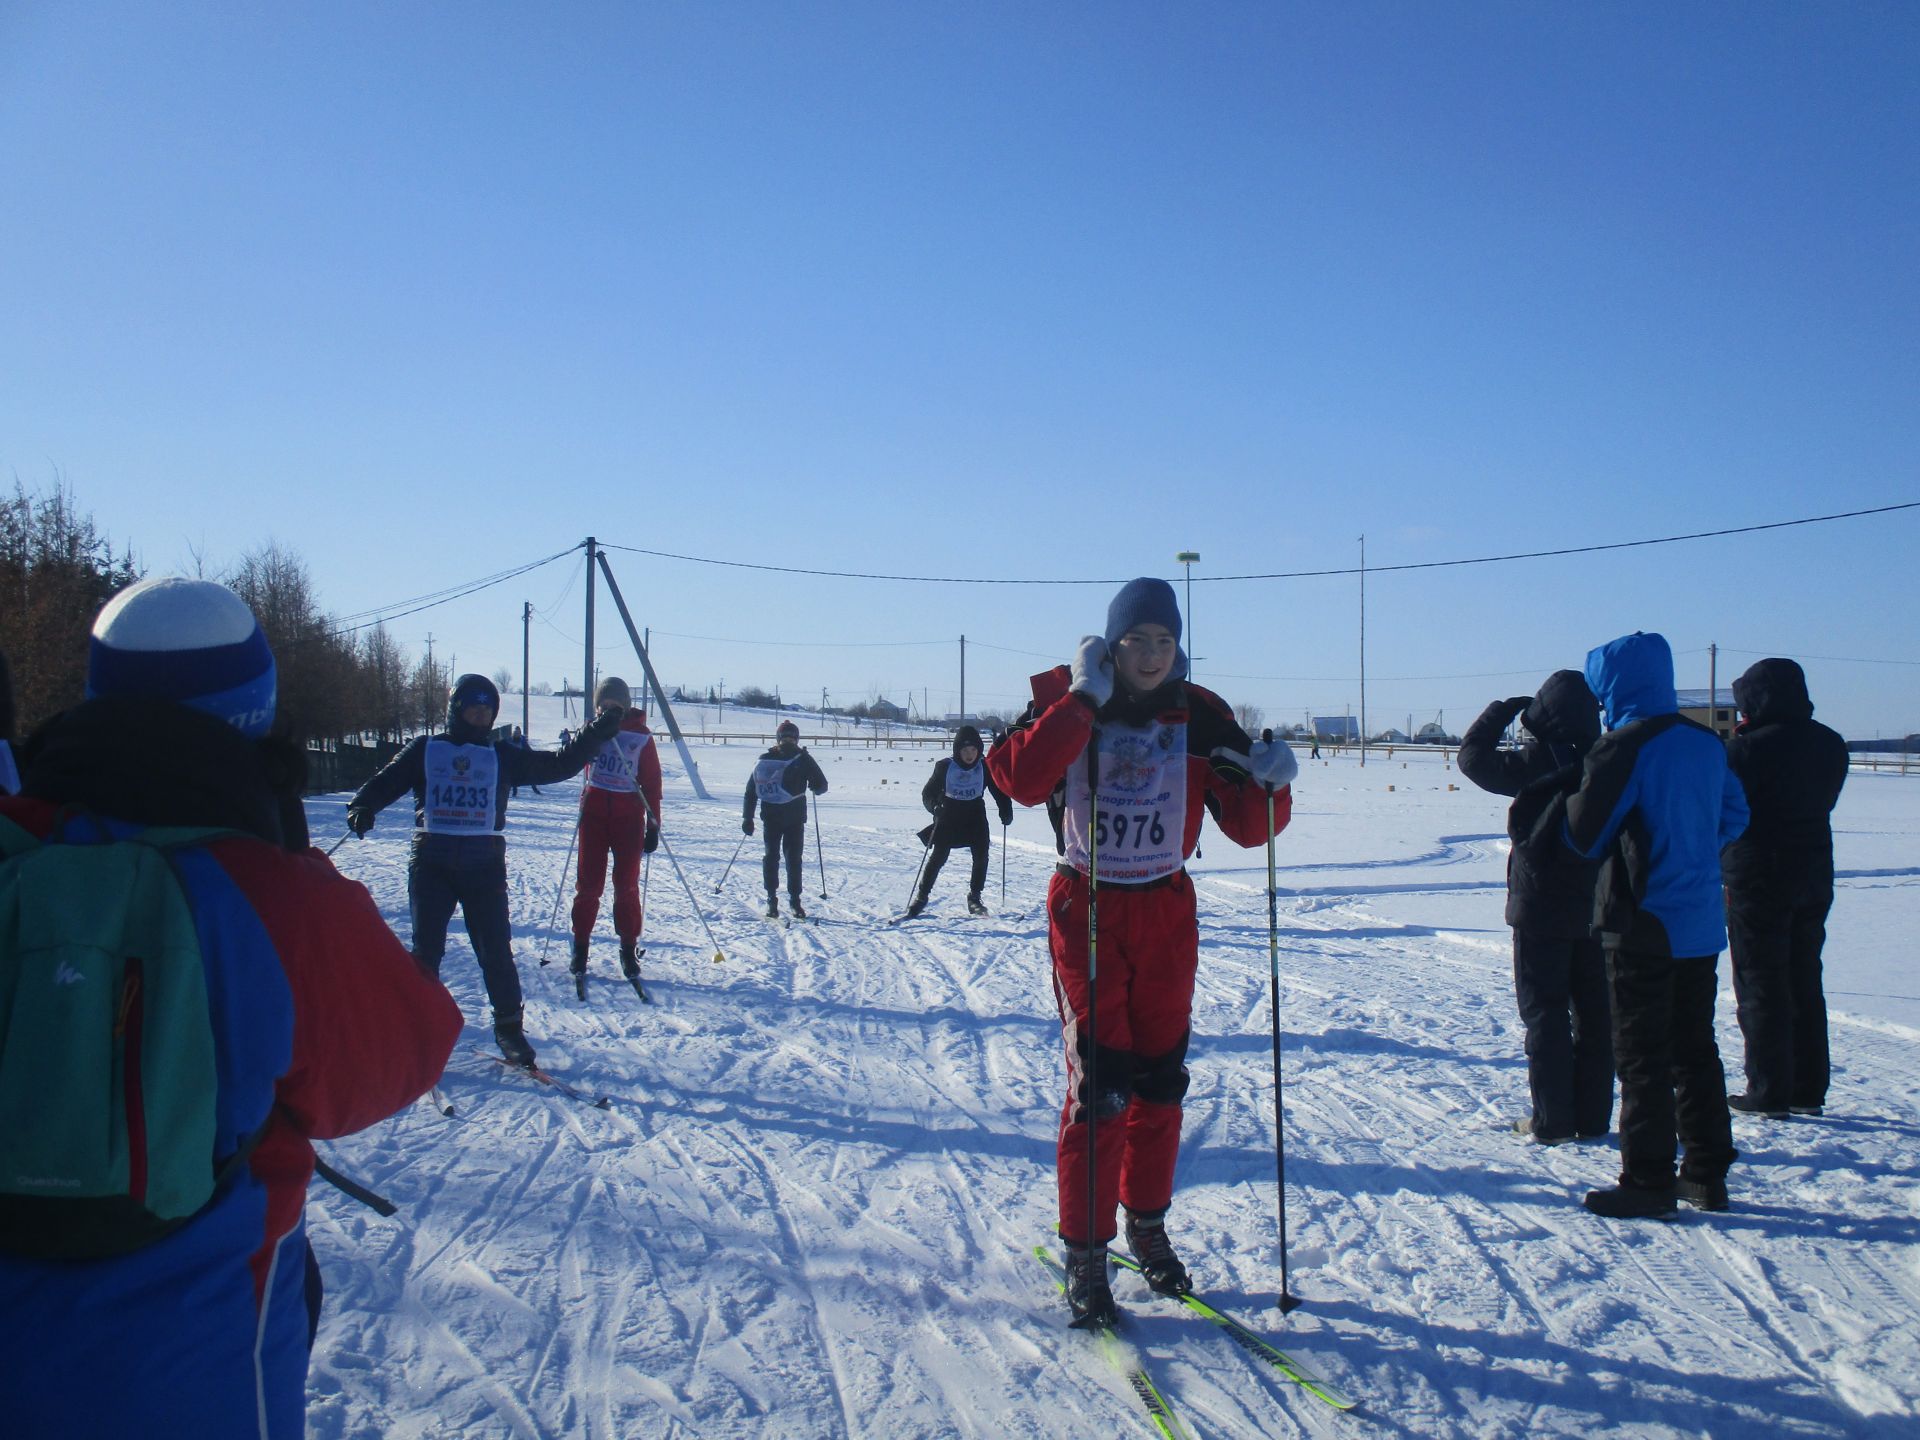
809,1210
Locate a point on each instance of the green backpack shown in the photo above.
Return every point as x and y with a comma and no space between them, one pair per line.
107,1067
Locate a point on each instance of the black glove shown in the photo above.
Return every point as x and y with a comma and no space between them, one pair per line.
605,724
1006,816
359,819
1515,705
652,842
746,826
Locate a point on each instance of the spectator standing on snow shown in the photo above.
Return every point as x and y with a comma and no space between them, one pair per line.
286,1012
955,795
460,780
1559,972
1167,752
1779,878
1657,803
9,772
779,783
621,792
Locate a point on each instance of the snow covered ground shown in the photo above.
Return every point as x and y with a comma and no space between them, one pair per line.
810,1208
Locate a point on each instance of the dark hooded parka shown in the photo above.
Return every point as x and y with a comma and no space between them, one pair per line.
1779,879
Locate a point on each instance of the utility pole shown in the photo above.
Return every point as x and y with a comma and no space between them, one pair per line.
963,679
586,682
1713,688
426,690
526,624
1363,652
646,678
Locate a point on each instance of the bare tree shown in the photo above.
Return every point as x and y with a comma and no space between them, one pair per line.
503,679
1249,717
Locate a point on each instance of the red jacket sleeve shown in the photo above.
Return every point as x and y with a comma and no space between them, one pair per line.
371,1032
1031,761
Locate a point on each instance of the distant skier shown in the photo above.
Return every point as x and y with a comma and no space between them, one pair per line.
622,789
460,781
1168,753
1779,878
1559,972
779,784
955,795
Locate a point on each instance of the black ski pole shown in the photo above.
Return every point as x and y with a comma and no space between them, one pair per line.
1288,1300
818,853
338,843
926,849
379,1204
729,870
561,888
1003,867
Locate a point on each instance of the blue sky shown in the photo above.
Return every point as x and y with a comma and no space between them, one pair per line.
426,292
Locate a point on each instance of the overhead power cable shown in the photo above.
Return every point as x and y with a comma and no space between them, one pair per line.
441,597
1276,574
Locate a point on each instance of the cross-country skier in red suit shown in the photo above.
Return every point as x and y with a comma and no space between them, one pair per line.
1168,750
613,819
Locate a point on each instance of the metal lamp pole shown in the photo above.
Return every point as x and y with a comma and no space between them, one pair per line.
1188,559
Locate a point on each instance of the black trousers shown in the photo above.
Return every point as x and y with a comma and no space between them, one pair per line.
941,849
789,836
471,872
1673,1093
1775,935
1560,986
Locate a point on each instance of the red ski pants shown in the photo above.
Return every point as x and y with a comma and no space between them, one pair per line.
609,821
1147,950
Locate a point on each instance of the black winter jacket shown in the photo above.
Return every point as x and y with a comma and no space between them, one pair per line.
1549,889
518,766
962,822
803,774
1792,767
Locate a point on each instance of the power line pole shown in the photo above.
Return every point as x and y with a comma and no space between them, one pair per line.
526,685
963,679
586,681
1363,652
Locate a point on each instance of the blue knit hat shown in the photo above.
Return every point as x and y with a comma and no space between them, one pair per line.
1145,601
189,641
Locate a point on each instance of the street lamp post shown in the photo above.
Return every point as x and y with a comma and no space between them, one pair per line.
1189,558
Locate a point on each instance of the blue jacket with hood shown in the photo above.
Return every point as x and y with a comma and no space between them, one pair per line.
1658,801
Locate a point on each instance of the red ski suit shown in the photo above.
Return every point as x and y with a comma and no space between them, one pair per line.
612,818
1148,940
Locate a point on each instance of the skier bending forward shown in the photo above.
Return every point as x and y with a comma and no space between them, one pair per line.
1166,749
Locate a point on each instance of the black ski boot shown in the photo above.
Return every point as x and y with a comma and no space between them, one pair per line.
630,953
773,906
1147,1238
578,965
917,904
975,906
512,1041
1088,1294
799,910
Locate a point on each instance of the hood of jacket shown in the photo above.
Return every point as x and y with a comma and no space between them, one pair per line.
457,730
1564,711
966,735
156,763
1772,691
1632,678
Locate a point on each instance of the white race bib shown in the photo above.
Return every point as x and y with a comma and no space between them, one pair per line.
770,781
966,784
463,782
1141,822
617,766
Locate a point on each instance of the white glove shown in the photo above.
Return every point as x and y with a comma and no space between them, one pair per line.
1092,671
1271,764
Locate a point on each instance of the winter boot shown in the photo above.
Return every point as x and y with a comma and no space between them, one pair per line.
1147,1238
1747,1105
773,906
578,964
1705,1193
630,959
1627,1201
1088,1294
799,910
512,1040
975,906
